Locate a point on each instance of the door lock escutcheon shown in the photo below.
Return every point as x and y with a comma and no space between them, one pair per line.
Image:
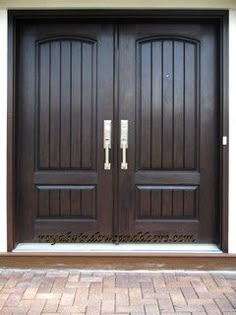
107,142
124,143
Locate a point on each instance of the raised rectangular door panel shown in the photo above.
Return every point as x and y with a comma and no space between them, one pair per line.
168,90
167,103
166,202
68,202
64,93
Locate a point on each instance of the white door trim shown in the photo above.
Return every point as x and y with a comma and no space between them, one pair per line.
3,130
232,132
232,107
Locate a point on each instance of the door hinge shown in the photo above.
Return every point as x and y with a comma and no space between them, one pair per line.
224,140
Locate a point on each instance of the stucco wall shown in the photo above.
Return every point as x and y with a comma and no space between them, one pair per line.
181,4
3,130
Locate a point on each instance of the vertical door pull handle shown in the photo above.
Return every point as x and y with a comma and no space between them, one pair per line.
124,143
107,142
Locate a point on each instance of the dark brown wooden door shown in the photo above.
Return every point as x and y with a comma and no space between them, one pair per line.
168,91
64,93
163,78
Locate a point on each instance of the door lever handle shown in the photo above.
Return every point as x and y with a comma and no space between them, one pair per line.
107,142
107,164
124,143
124,164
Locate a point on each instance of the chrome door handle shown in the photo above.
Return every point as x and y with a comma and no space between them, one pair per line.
124,143
107,142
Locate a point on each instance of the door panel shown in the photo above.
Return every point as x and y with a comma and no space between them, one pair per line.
156,202
163,78
168,92
66,109
167,108
65,91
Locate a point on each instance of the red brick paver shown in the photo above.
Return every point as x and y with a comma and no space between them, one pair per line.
121,293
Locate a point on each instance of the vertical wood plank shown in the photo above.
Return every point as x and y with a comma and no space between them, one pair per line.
65,202
145,106
156,203
44,203
54,202
65,103
178,104
55,105
87,105
166,203
76,105
93,203
44,105
145,203
86,203
190,106
167,104
178,206
189,202
76,202
156,123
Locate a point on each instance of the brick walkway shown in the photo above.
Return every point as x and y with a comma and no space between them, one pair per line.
72,292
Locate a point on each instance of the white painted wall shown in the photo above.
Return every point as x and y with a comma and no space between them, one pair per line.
3,130
114,4
227,4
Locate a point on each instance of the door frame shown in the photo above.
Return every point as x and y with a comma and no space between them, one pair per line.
219,16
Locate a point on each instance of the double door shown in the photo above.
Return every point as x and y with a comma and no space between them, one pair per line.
117,130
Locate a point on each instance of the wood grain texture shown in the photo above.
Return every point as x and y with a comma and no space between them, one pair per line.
67,201
67,109
174,91
167,70
220,16
62,105
166,202
127,261
171,94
